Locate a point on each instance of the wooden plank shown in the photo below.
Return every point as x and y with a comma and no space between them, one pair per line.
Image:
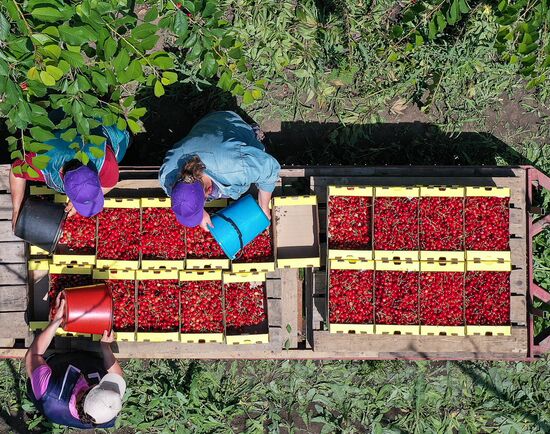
319,282
5,207
7,342
13,325
319,312
274,311
6,233
518,309
5,177
422,346
12,252
273,288
13,298
289,299
13,274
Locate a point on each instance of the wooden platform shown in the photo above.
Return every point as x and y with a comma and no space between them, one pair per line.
296,331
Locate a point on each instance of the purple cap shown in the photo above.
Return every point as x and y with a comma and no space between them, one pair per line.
84,191
188,203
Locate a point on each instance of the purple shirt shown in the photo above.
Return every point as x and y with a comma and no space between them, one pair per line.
40,379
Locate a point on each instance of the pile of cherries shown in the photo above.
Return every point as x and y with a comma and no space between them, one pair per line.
349,222
201,307
396,223
351,297
79,234
118,234
123,293
158,305
162,236
201,244
59,282
441,299
441,223
487,224
396,295
244,305
487,298
259,250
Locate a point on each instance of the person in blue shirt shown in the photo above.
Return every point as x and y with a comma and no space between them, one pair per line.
221,157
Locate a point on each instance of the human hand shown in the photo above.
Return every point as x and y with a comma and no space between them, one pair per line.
206,221
59,310
108,337
70,209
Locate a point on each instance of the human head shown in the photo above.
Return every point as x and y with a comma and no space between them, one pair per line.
188,196
102,403
83,188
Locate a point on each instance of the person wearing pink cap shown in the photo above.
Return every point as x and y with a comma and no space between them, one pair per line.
78,390
84,185
221,157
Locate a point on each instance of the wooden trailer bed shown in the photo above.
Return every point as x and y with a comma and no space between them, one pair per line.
296,301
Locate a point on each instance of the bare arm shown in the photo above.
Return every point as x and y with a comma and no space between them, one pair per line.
263,199
17,188
109,361
35,354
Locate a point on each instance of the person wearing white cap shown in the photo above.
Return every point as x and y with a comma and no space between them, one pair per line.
78,390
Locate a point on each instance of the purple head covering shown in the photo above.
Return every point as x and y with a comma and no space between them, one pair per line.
84,190
188,203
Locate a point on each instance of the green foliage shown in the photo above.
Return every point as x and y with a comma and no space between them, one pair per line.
305,396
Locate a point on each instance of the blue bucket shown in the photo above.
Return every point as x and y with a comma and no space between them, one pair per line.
238,224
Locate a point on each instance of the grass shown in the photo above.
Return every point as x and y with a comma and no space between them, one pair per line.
327,397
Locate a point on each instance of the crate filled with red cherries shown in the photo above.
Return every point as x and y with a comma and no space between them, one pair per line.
430,260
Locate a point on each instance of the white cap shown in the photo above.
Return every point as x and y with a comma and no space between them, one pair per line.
104,401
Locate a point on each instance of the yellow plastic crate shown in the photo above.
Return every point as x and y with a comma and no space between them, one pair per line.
201,338
196,275
299,263
247,339
442,191
38,264
351,264
37,251
294,200
114,274
115,202
349,190
117,264
60,198
488,261
357,329
244,267
40,190
442,256
38,326
217,203
202,264
396,329
156,202
73,259
488,191
119,337
430,330
396,191
364,255
157,337
160,264
229,277
473,330
454,267
157,275
70,269
396,260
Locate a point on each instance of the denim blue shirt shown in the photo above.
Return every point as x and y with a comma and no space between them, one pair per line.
233,156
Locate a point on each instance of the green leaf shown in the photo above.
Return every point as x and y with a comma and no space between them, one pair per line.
47,14
235,53
137,113
396,31
84,158
441,22
209,9
149,42
209,66
52,50
162,60
77,35
33,74
134,70
4,27
190,41
134,126
75,59
55,72
172,77
121,124
17,170
16,155
69,135
432,29
144,30
195,52
40,161
248,98
181,24
109,48
121,61
151,15
97,152
158,89
31,172
47,79
463,7
100,82
40,39
257,94
41,135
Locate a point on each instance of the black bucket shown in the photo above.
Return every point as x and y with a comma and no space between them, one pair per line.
40,223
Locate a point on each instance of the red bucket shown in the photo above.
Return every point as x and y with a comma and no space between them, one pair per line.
88,309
